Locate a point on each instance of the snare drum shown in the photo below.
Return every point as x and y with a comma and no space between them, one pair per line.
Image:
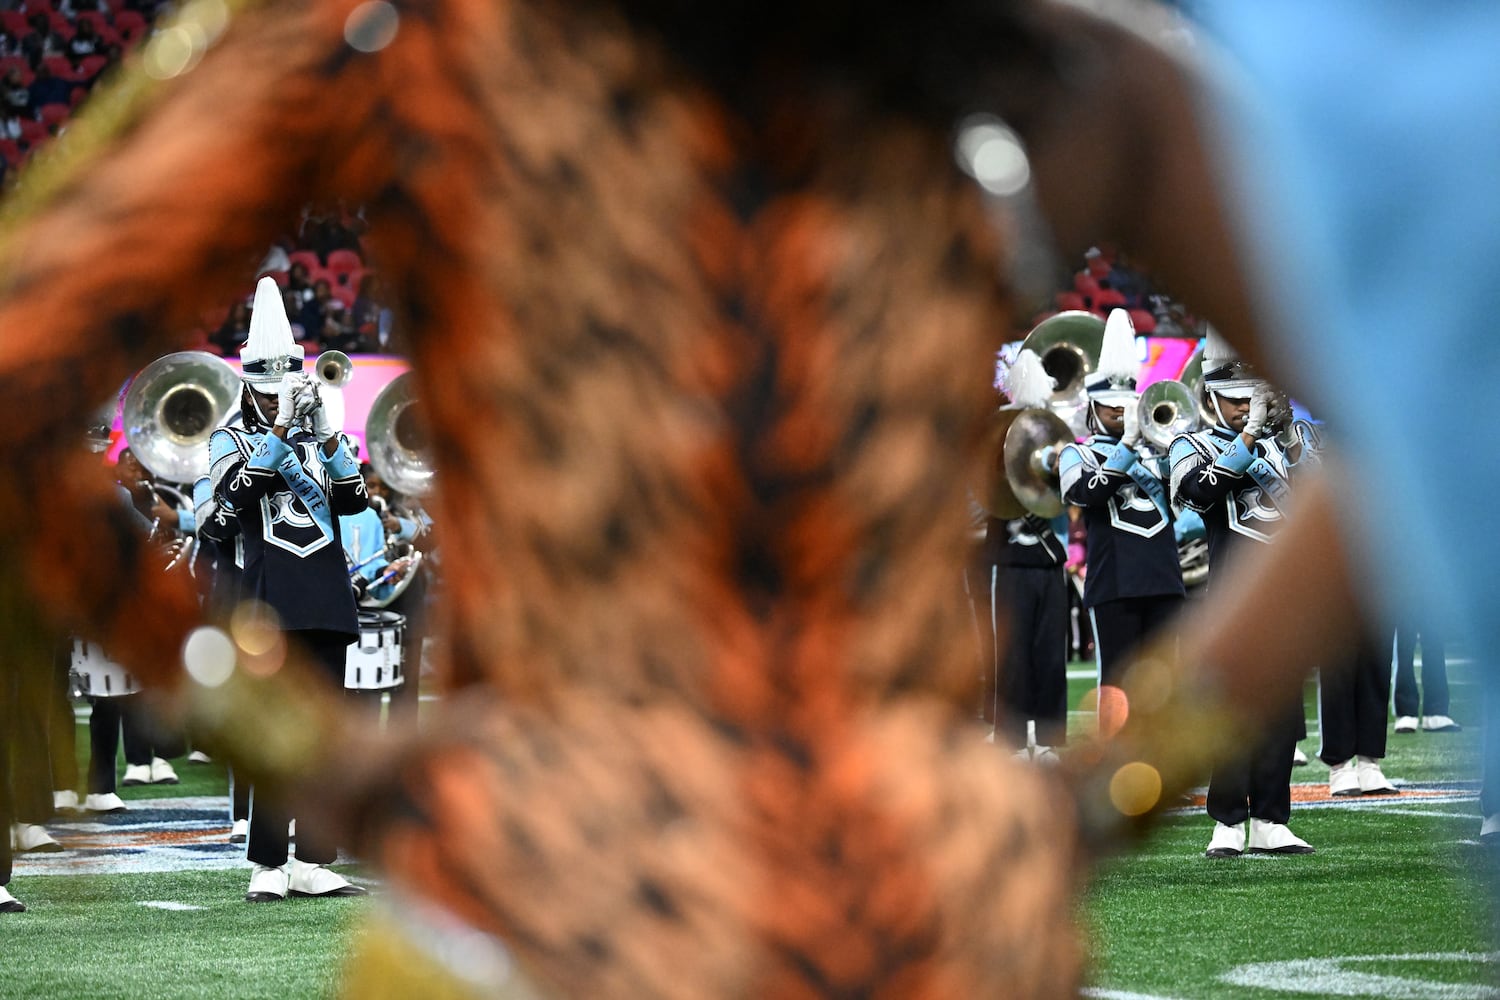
97,675
374,663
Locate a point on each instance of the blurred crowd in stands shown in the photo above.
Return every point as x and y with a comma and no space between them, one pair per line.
51,55
1111,280
332,299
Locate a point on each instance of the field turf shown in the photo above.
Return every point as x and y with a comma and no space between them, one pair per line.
1391,905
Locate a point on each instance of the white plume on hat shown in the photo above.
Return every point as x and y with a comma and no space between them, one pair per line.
1216,350
270,351
1223,371
1027,383
1113,380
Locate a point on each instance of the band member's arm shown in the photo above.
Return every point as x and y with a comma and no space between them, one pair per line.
1086,483
346,488
1198,483
214,515
243,481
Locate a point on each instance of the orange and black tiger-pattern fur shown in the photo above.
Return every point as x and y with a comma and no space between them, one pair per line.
705,389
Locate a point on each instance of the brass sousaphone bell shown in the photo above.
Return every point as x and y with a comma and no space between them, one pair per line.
171,409
1023,447
1068,345
397,438
1167,409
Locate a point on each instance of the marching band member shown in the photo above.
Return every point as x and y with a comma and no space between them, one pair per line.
1133,584
1236,476
408,524
221,560
286,487
1028,581
8,711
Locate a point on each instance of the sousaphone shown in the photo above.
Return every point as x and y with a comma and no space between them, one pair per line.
172,407
1023,447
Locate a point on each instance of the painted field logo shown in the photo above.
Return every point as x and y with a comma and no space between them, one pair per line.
1343,977
155,835
1316,796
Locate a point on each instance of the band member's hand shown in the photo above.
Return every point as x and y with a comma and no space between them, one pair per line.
163,512
391,524
322,427
1132,433
308,401
286,401
1260,408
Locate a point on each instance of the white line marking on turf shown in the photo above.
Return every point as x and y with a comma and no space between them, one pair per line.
167,904
1327,977
1103,994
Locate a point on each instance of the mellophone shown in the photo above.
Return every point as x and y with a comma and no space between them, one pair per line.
375,662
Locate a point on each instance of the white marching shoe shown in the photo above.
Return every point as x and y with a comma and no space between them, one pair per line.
65,800
1343,779
9,903
199,757
1372,780
315,880
32,838
1298,757
108,802
1406,724
1440,724
1227,841
267,885
1489,831
162,772
1276,838
240,831
137,774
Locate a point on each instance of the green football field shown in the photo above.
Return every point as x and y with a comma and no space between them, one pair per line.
1391,905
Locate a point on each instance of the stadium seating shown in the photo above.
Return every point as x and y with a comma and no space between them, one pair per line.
53,114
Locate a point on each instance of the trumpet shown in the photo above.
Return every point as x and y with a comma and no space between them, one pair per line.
333,369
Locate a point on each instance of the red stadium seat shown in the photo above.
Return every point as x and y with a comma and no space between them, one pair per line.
344,260
1085,284
79,93
344,294
14,22
1108,298
91,66
1144,320
130,25
52,114
60,67
17,63
307,259
278,276
33,133
1070,301
12,152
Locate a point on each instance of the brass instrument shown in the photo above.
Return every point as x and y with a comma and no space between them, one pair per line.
172,407
1023,447
1068,345
397,439
1167,409
333,369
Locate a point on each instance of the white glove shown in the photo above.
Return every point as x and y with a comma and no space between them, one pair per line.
1132,433
1260,405
286,401
322,428
307,399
